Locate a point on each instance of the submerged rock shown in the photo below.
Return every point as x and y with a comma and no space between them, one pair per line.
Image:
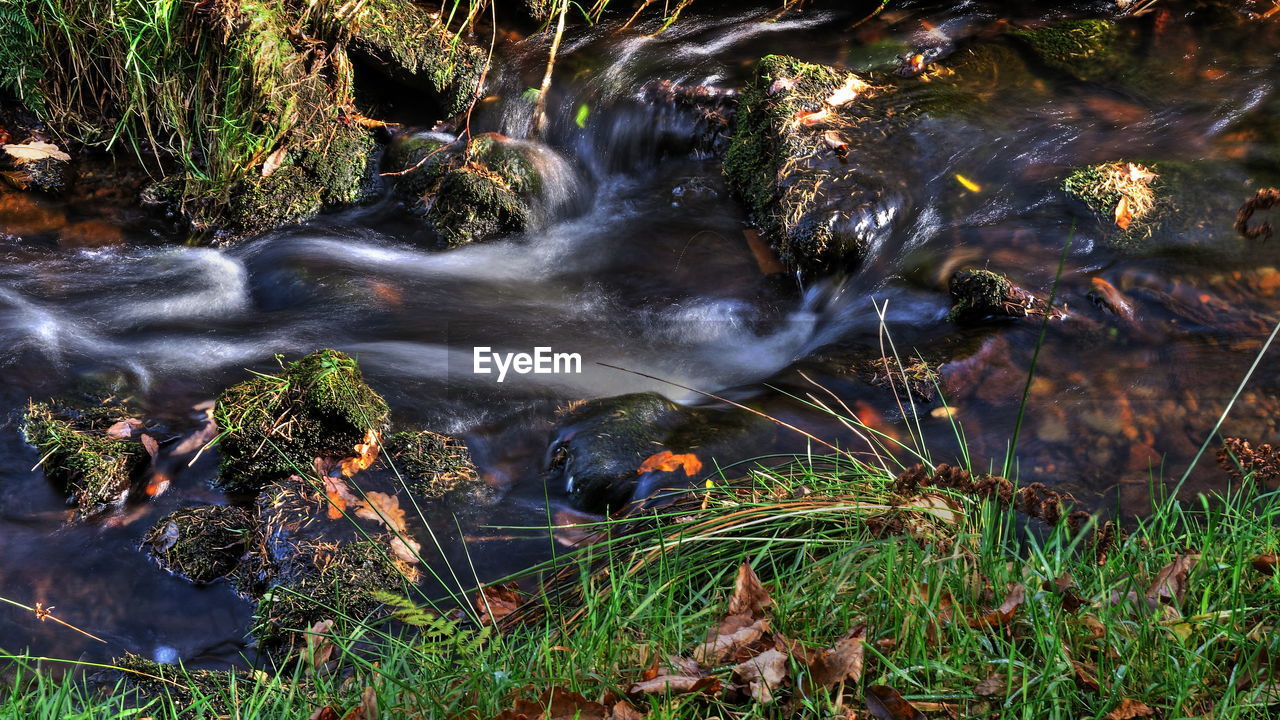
611,453
1082,49
434,466
203,543
92,450
276,425
980,294
809,153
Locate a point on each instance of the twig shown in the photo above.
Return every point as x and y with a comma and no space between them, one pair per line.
43,613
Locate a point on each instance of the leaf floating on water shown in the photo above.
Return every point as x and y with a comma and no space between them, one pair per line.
667,461
555,704
847,93
1140,174
580,118
35,151
150,445
968,184
837,143
386,509
888,704
495,602
274,160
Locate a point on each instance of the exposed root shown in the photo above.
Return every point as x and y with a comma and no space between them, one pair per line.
1264,199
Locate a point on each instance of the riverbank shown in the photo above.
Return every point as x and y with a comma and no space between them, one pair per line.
878,597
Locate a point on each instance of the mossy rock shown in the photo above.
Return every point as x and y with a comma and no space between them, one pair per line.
978,294
1082,49
147,682
321,580
95,469
408,45
421,152
1088,185
488,192
434,465
821,210
201,544
276,425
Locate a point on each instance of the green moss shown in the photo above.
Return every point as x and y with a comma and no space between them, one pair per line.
1082,49
326,580
95,469
1088,185
976,294
201,543
275,425
150,681
434,465
414,48
471,205
407,152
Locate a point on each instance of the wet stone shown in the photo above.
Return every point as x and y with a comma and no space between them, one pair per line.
201,544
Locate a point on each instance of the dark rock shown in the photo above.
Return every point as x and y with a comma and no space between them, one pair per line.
203,543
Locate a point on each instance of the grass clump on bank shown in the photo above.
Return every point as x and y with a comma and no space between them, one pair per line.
925,587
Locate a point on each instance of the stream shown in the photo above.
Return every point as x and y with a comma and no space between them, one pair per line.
639,260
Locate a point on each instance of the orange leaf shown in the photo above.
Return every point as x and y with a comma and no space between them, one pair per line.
847,92
1124,215
809,119
666,461
494,602
366,453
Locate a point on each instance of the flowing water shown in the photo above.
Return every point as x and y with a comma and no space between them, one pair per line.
639,260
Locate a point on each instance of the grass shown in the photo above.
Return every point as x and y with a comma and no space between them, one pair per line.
926,596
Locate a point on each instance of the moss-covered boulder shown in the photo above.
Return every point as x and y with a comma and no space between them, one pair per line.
276,425
1128,199
1084,49
814,166
202,543
488,191
409,45
978,295
92,450
421,158
435,466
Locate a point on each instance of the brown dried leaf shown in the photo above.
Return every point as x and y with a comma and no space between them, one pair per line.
35,151
150,445
1265,564
385,509
325,713
555,704
735,633
1003,615
1129,709
841,663
125,429
320,645
494,602
274,160
367,709
198,439
623,710
1086,675
763,674
749,595
366,453
675,685
994,685
887,704
1170,584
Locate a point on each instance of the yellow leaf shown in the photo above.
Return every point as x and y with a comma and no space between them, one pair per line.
33,151
968,184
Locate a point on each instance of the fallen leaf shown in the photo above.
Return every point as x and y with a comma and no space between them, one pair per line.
763,674
339,496
1086,675
749,594
887,704
1171,582
1003,615
666,461
836,142
555,704
735,633
1265,564
780,85
968,184
1129,709
994,685
124,429
384,508
320,645
623,710
198,439
325,713
35,151
809,119
675,685
494,602
150,445
1138,173
407,549
274,160
847,93
1064,586
366,453
367,709
1124,215
842,663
